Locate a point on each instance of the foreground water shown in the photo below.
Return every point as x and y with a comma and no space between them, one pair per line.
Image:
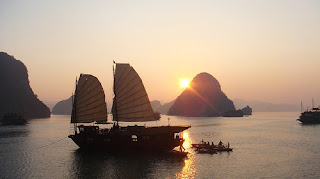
272,145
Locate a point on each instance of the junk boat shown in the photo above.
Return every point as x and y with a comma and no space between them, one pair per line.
130,104
310,116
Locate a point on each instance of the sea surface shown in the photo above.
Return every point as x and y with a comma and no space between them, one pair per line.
265,145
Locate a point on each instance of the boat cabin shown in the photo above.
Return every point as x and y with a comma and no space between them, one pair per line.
88,129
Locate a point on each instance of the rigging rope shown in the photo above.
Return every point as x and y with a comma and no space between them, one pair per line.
36,148
51,143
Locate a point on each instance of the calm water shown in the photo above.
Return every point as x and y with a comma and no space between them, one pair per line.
268,145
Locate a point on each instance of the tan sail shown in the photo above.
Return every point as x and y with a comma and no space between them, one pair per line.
89,101
131,102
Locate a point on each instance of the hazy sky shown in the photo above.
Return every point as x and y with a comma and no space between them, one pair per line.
257,50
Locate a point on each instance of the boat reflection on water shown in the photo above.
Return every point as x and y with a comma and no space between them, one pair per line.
87,164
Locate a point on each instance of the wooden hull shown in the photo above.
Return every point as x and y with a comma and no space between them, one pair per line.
309,120
131,139
108,142
223,149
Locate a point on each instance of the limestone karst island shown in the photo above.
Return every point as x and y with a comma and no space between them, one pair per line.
16,94
203,98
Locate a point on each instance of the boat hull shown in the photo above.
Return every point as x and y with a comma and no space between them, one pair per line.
132,139
309,121
206,148
310,117
112,143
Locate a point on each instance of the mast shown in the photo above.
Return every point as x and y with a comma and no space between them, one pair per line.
74,107
115,96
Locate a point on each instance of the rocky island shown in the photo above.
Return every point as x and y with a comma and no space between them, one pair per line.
203,98
16,95
246,110
63,107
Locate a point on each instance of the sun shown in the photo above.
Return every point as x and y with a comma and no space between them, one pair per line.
184,83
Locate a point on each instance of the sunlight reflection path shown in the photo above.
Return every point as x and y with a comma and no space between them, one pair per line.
189,170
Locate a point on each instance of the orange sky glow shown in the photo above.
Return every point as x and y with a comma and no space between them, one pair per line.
257,50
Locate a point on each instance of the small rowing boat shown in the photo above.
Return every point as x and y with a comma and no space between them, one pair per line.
204,147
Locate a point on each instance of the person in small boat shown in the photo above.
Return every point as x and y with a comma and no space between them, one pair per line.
181,146
220,143
228,144
212,144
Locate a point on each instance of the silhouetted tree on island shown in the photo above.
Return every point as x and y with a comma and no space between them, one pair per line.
16,95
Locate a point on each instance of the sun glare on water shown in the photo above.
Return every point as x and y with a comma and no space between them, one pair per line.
187,141
184,83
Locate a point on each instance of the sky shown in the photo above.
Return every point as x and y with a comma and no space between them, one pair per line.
257,50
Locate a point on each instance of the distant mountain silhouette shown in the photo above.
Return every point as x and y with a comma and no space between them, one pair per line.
260,106
162,109
203,98
63,107
155,104
16,95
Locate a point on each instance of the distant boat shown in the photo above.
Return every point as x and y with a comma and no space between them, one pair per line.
310,116
130,104
13,119
204,147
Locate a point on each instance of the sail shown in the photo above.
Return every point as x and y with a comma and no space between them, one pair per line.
131,102
89,101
